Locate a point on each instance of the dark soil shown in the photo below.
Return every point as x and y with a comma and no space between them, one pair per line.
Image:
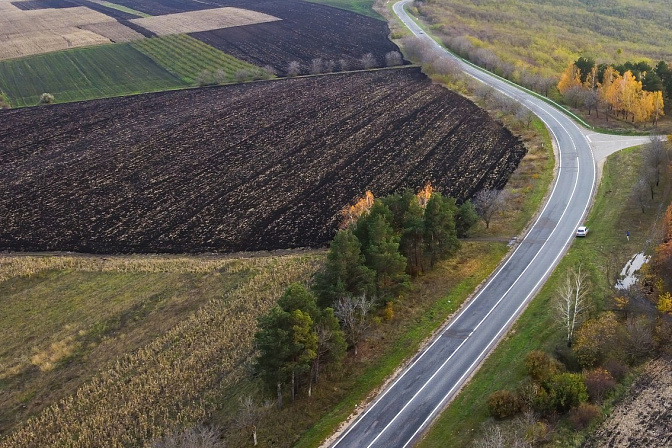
258,166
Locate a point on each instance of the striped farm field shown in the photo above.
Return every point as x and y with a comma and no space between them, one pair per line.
81,74
187,57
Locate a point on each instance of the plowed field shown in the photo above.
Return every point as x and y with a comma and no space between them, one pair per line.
306,31
248,167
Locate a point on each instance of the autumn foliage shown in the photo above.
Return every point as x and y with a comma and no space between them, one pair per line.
352,212
622,94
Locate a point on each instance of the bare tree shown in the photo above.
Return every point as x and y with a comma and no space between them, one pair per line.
416,49
271,70
640,194
205,78
199,436
220,76
344,64
492,438
316,66
655,156
293,69
393,58
487,203
572,300
243,75
575,96
368,61
329,66
251,414
353,313
443,67
525,116
590,99
484,92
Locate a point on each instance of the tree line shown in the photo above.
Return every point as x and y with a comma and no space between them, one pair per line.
382,245
633,91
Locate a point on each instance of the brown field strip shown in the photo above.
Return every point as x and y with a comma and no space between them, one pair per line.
24,33
206,20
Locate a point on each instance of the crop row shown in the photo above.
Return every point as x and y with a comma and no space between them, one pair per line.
188,57
77,74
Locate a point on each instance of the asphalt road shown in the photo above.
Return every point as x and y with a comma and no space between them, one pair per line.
402,411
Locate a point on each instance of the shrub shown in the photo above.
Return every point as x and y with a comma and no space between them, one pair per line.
616,369
46,98
581,416
599,383
540,366
503,404
567,390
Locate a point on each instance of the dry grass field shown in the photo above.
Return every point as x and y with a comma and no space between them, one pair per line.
114,31
24,33
198,21
114,351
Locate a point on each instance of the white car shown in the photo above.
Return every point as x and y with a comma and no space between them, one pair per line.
582,231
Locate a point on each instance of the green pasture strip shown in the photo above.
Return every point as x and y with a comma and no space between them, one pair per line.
603,249
187,57
363,7
484,257
83,74
125,9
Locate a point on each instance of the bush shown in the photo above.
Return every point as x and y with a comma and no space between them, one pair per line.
540,366
503,404
599,383
616,369
567,390
46,98
581,416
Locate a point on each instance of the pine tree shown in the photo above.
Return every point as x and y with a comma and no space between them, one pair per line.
412,238
344,272
440,236
382,256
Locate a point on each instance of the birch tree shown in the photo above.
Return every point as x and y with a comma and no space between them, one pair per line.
353,312
572,300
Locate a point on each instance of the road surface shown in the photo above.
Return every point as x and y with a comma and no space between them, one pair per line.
402,411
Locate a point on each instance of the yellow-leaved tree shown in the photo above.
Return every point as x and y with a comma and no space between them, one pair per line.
571,77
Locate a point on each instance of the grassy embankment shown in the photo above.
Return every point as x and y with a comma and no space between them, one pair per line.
603,253
146,65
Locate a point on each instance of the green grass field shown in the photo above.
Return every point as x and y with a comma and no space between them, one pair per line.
83,74
187,57
604,252
363,7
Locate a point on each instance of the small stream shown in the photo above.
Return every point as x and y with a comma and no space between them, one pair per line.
628,274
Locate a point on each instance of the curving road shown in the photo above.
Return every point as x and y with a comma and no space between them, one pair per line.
402,411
